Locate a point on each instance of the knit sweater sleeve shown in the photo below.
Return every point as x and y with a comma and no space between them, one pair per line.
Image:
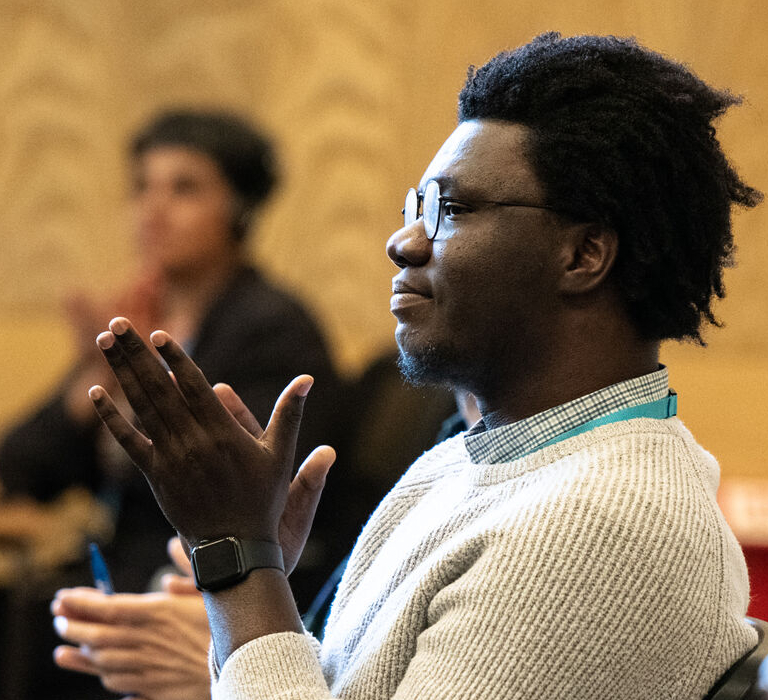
276,666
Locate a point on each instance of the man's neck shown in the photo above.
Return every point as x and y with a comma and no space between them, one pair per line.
556,385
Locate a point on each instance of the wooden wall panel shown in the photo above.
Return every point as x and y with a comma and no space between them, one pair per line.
359,95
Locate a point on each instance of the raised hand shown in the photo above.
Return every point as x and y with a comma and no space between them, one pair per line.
211,475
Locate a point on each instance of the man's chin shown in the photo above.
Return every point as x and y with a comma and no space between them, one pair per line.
427,367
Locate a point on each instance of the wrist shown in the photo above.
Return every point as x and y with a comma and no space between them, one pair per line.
260,605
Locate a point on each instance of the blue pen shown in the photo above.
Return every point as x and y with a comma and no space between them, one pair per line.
101,578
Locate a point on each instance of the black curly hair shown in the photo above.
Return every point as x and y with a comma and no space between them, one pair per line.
624,136
245,156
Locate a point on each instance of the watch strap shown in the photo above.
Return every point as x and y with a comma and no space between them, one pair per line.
258,554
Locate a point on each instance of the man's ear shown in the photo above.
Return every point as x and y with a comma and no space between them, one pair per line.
589,253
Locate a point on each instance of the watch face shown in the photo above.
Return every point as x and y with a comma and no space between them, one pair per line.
217,563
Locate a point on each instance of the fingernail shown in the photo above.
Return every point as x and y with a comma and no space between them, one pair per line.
105,340
96,393
305,386
60,624
118,325
159,338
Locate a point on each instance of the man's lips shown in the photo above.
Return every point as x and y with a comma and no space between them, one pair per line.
405,295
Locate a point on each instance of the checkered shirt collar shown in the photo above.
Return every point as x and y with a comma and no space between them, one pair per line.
512,441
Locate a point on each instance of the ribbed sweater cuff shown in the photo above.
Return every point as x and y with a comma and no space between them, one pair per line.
283,665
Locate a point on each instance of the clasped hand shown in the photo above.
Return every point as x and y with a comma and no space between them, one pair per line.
212,469
153,646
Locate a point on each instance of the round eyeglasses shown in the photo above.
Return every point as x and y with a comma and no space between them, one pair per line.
431,205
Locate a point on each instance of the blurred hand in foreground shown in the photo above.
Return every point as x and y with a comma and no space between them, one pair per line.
152,646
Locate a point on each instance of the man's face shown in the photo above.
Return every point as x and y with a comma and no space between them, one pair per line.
477,301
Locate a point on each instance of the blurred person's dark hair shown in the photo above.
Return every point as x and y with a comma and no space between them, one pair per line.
245,156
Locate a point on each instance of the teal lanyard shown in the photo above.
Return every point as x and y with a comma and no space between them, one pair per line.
660,409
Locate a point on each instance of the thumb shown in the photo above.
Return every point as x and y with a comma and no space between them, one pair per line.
313,471
303,496
282,430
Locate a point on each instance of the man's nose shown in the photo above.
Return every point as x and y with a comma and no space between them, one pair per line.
410,245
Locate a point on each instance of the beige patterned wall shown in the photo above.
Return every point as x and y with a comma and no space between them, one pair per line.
359,94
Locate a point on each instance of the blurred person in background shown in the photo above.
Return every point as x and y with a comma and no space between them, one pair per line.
199,179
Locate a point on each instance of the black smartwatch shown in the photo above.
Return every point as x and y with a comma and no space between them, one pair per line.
224,562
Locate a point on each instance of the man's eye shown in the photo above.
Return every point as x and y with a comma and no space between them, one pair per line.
454,209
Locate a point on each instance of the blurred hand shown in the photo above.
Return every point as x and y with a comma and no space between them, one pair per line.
142,300
85,318
152,646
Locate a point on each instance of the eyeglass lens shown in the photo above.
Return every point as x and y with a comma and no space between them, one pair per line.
411,209
430,208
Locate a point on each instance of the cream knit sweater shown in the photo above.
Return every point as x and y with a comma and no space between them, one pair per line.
598,567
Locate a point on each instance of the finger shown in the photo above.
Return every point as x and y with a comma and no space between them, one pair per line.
199,395
95,634
72,659
95,606
113,661
282,430
59,605
66,592
125,678
128,381
120,670
234,404
150,391
137,446
179,556
314,470
157,382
